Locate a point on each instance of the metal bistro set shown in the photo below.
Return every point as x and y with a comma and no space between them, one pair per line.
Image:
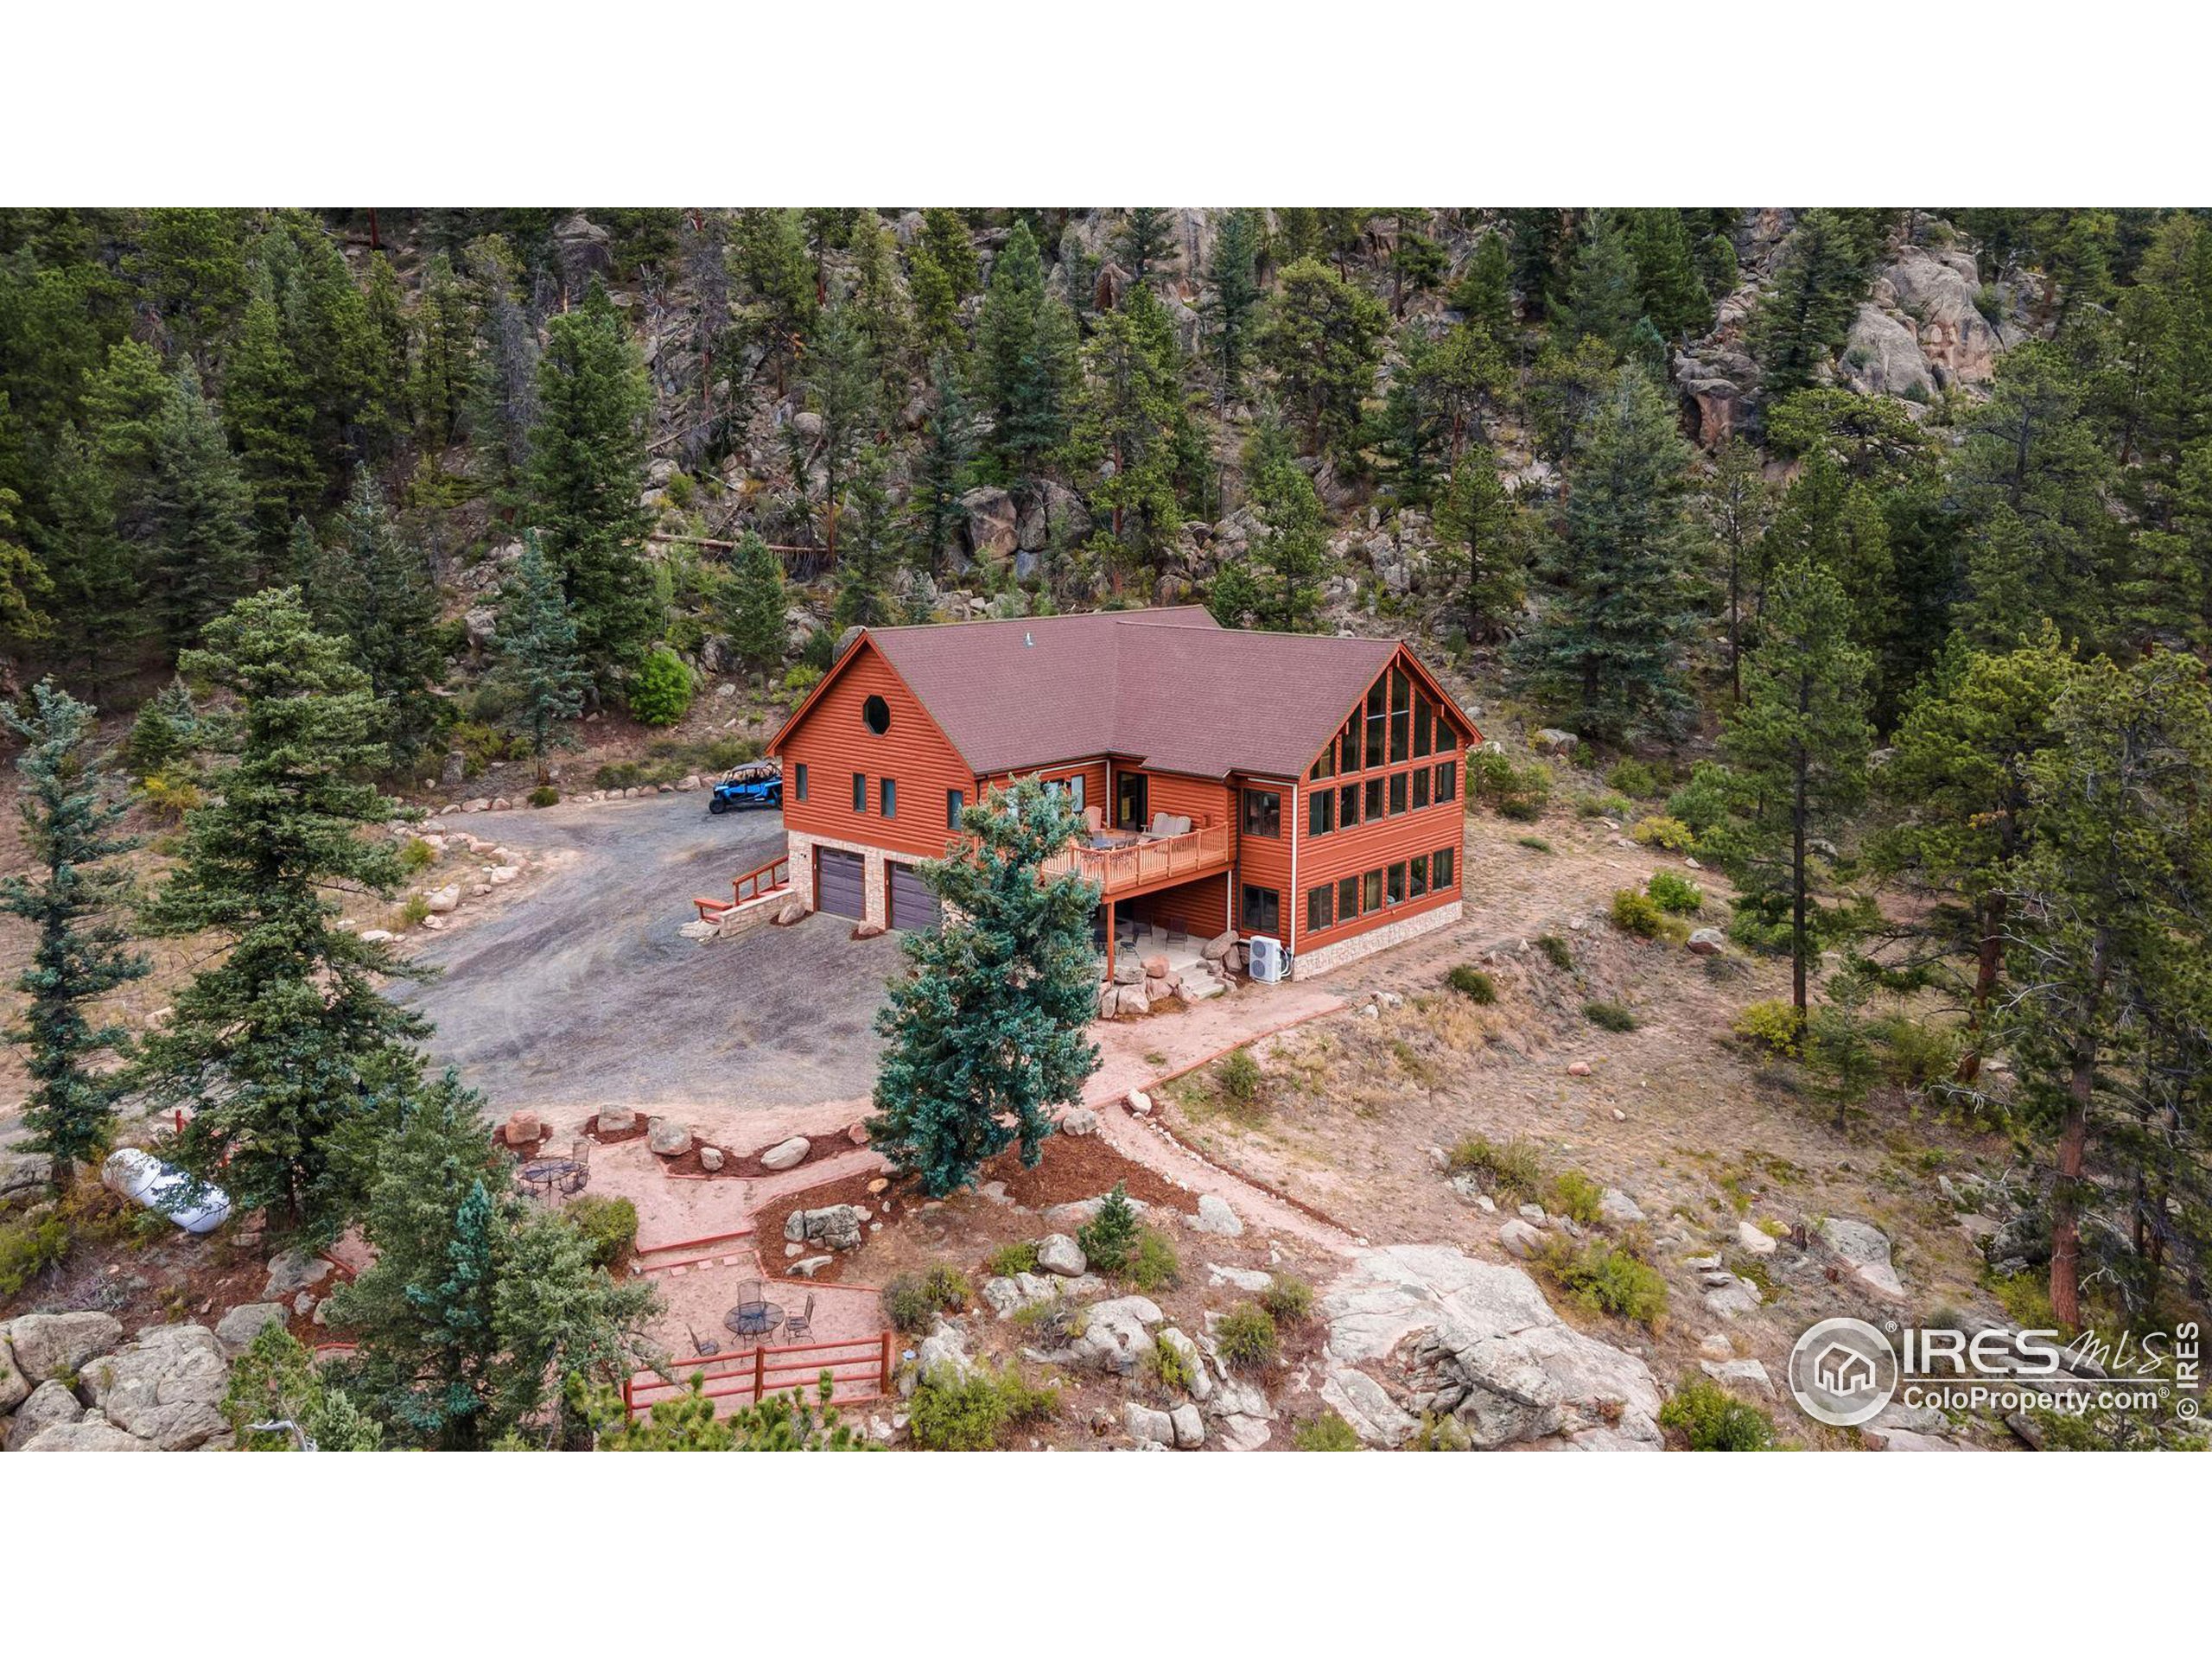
754,1319
548,1178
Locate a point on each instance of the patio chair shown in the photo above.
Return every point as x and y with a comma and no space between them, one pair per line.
1094,819
579,1178
800,1324
701,1349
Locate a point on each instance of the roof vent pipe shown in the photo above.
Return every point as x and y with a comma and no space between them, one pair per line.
1028,639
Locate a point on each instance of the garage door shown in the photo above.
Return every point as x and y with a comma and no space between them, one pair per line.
913,904
838,888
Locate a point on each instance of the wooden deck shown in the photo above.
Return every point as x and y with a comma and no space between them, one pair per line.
1119,872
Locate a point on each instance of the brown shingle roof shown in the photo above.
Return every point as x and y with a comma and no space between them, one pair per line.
1169,688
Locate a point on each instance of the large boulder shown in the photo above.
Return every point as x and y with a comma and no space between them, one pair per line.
1052,507
1882,356
167,1386
1478,1342
836,1225
236,1329
14,1387
1863,1251
993,530
1058,1254
1941,293
293,1271
89,1435
51,1402
1216,1216
1147,1426
48,1346
668,1138
786,1155
1116,1336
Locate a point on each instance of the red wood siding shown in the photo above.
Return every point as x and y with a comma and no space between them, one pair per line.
1379,844
1200,907
1203,800
1094,783
831,742
1264,860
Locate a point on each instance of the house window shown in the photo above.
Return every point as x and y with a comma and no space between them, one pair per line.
1263,813
1348,897
1376,714
1439,869
1397,793
1394,891
1401,714
1348,805
1447,779
1261,910
1348,746
1424,727
1320,813
1417,876
1421,788
955,800
1371,890
1326,766
876,715
1075,794
890,794
798,781
860,791
1374,799
1320,908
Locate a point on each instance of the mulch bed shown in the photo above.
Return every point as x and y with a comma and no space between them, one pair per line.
1072,1168
818,1148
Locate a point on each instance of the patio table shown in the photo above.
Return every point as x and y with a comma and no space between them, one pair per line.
753,1319
543,1175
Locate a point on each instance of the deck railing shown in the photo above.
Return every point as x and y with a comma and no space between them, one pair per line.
1142,863
860,1370
773,877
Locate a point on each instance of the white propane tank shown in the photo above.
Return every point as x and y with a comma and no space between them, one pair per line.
145,1180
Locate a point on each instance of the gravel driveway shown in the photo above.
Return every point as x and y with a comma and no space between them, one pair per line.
580,992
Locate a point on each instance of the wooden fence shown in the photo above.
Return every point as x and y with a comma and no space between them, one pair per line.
860,1370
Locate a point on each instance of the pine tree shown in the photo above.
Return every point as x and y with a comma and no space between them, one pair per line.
383,599
1477,513
1669,289
864,575
1417,263
1539,238
24,587
1232,297
840,386
753,606
386,306
1798,744
1601,301
587,473
191,263
987,1035
1024,357
1607,647
1122,443
946,238
769,259
1323,339
937,304
1737,505
200,513
501,390
443,332
879,303
1821,274
94,571
1485,294
1145,243
940,471
2107,938
287,1039
1826,520
80,955
539,660
1961,780
269,408
1565,391
1288,559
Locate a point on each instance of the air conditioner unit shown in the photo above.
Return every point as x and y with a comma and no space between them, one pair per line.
1268,961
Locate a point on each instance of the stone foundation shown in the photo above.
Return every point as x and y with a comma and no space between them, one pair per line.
1327,958
874,881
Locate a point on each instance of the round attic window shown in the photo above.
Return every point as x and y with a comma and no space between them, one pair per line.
876,715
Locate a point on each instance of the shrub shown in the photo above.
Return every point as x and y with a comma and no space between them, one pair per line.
1672,834
417,855
1534,844
1010,1259
946,1287
1676,895
413,911
30,1248
1472,984
1703,801
1240,1077
1772,1025
908,1305
1289,1300
171,794
1247,1337
1609,1016
1108,1237
609,1225
1511,791
1556,952
1712,1419
660,692
1603,806
1575,1196
1327,1432
800,678
1633,778
544,794
951,1412
1916,1054
1153,1264
1170,1368
1607,1279
1444,1433
1634,913
1513,1170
